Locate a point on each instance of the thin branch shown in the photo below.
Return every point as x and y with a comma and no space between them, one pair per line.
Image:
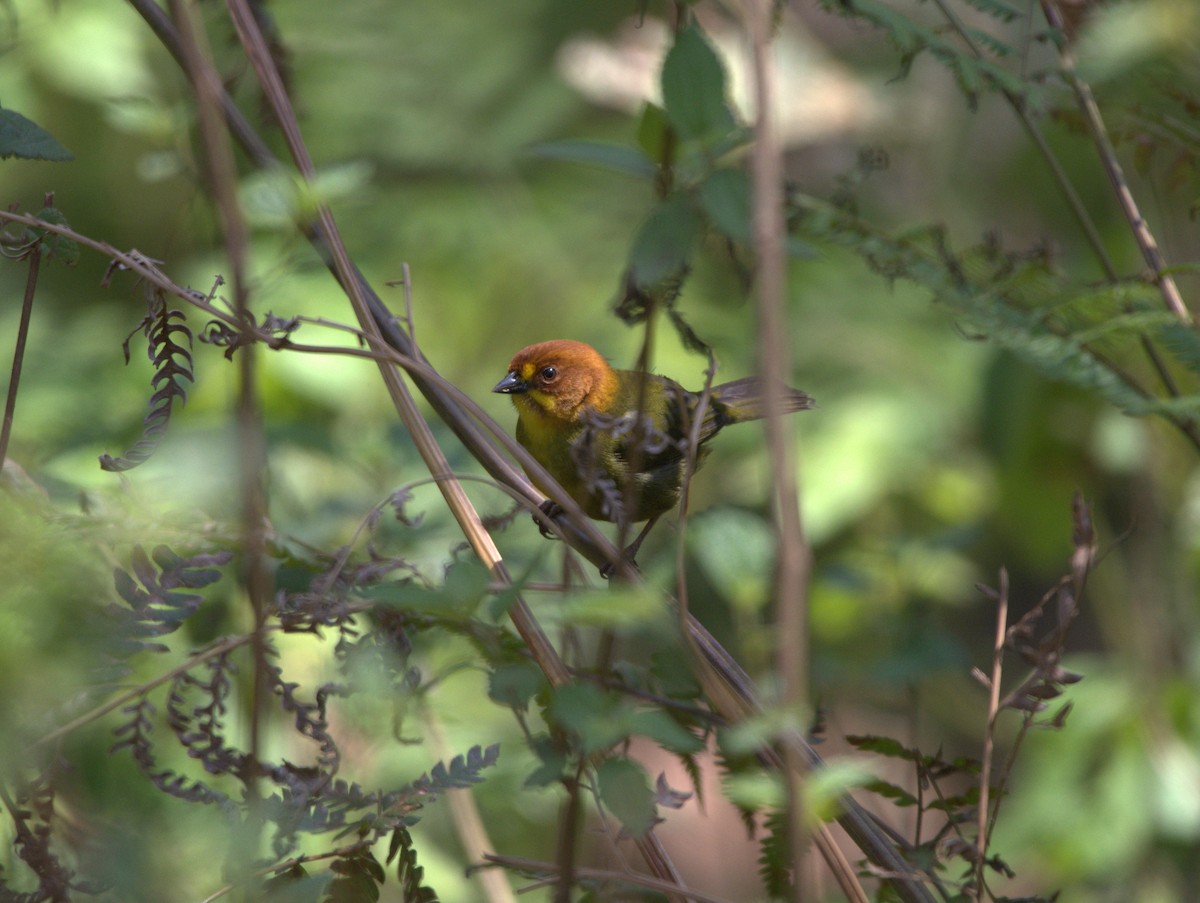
221,173
793,558
1116,175
989,733
14,380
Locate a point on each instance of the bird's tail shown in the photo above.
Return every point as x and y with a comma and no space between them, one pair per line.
745,399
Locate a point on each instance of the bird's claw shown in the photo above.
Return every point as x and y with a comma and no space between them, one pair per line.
551,511
610,567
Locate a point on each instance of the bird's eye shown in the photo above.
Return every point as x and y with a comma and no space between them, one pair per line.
549,374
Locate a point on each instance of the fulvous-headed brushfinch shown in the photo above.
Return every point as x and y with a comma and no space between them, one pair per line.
577,416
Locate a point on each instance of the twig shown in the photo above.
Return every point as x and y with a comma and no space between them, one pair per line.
1116,175
221,175
989,734
14,380
792,569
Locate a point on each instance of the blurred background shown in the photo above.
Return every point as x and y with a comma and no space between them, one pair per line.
932,460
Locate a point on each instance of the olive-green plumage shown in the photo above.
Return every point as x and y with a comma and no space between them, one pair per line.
575,415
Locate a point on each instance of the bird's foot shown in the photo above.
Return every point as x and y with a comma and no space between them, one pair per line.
610,567
629,552
550,511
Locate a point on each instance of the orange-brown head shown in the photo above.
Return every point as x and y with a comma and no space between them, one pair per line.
559,379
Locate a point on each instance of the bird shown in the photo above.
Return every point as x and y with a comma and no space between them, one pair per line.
579,418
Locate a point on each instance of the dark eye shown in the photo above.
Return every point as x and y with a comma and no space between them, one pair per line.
549,374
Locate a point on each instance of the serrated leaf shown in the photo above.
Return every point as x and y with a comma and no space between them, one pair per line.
599,719
465,584
884,746
625,790
26,140
553,765
897,795
693,87
515,685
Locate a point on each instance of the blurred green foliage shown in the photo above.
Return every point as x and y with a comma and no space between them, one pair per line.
932,460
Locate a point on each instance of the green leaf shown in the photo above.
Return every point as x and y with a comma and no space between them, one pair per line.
65,249
725,196
26,140
693,87
824,787
736,549
652,131
625,790
884,746
515,685
270,199
898,795
755,791
599,719
466,584
1183,343
333,183
617,157
625,606
663,246
553,763
404,594
663,729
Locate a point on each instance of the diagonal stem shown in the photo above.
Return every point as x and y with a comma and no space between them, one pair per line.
14,380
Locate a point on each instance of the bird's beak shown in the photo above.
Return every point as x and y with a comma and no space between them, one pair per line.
511,385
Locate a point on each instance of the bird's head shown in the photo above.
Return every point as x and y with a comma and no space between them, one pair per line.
559,379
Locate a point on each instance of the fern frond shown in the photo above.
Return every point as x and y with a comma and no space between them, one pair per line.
172,359
357,877
135,736
774,857
151,590
911,38
410,875
1016,301
997,9
198,724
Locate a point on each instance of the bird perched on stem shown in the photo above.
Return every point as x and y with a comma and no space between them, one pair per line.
579,418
